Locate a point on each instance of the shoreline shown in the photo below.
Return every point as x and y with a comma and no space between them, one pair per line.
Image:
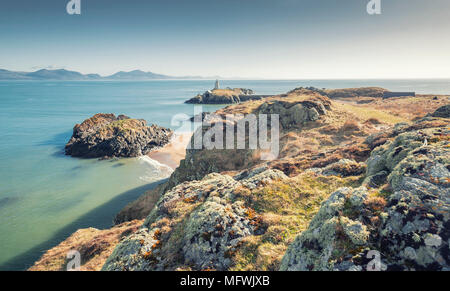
172,153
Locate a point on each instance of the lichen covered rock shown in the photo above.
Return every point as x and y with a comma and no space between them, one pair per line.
297,114
417,231
386,157
408,227
196,225
331,234
138,253
213,232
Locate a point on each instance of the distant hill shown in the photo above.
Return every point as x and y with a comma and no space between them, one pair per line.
9,75
137,75
45,74
63,74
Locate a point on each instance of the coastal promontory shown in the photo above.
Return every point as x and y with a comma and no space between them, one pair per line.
357,175
224,96
105,135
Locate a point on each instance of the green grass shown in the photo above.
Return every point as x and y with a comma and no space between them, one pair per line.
287,208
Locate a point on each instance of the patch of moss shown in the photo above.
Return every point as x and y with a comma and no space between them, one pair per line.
349,210
123,125
382,193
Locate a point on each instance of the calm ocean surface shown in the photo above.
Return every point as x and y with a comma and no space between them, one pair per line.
45,196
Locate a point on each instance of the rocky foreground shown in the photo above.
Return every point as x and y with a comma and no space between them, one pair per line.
105,135
357,178
406,220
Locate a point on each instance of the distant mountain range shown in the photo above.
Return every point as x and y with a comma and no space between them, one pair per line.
66,75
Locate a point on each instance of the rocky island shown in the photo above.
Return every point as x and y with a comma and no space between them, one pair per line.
352,178
105,135
224,96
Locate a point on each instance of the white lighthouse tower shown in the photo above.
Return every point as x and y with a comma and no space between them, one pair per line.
217,85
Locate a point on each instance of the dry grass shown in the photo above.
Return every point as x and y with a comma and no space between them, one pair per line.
338,134
408,108
94,245
286,208
226,92
365,113
350,126
356,92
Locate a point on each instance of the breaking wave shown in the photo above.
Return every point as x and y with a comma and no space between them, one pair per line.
154,170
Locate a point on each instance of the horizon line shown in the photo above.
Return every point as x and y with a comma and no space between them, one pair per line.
193,77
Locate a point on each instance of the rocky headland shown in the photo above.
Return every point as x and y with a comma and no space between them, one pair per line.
352,180
224,96
238,95
105,136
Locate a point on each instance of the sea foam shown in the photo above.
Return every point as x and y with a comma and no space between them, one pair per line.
154,170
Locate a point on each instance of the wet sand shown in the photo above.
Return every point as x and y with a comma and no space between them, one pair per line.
173,152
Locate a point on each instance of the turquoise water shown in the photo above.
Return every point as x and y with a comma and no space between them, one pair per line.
45,196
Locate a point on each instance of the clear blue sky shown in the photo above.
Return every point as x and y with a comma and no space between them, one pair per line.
245,38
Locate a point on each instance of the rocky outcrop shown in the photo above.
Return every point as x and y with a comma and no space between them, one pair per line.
295,114
224,96
443,112
404,227
196,225
356,92
105,135
200,117
400,143
330,235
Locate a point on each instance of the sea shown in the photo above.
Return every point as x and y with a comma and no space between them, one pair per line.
45,196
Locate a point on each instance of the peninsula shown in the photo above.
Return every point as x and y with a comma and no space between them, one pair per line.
353,178
224,96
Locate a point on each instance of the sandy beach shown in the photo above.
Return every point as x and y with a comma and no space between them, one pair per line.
174,151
